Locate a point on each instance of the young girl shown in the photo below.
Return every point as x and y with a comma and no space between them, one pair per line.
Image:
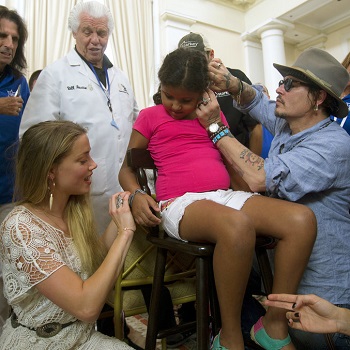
57,272
197,204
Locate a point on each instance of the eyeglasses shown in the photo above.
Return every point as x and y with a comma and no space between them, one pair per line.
290,83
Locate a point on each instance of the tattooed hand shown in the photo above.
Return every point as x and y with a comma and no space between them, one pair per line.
208,112
221,78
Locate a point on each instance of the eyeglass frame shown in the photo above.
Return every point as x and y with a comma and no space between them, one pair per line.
288,83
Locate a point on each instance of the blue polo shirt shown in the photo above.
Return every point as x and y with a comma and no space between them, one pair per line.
344,122
9,128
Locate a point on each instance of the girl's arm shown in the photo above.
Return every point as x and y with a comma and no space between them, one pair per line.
142,204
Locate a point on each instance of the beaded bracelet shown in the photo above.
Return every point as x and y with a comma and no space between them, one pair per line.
212,135
131,197
220,135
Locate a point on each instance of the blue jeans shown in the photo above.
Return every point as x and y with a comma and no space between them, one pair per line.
311,341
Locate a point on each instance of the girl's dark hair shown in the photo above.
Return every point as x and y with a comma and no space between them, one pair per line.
186,68
157,97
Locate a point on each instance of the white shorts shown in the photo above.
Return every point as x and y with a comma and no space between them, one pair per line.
172,214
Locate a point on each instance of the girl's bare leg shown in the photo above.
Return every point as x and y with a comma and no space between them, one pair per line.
295,227
234,238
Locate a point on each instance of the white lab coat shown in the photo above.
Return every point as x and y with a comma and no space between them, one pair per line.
69,90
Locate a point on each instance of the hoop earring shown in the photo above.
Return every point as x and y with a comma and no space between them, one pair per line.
51,197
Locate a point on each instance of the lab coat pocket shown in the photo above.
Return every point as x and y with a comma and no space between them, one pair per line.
99,177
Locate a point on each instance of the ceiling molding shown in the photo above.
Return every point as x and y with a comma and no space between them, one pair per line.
242,5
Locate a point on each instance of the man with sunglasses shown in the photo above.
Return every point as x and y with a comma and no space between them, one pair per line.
308,163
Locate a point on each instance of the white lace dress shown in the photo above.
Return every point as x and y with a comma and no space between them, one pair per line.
31,250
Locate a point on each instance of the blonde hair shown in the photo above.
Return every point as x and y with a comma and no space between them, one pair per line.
42,146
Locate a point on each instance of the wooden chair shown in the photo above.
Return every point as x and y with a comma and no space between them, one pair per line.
207,309
126,299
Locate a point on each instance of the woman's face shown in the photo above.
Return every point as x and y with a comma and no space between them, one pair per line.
72,176
179,102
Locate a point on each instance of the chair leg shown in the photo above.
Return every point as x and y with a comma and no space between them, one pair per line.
158,281
202,267
214,303
265,269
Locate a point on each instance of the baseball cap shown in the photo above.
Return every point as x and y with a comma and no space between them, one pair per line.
194,41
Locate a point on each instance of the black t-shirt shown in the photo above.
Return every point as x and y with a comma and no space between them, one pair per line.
239,123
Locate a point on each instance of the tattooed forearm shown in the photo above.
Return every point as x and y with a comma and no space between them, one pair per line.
248,93
251,158
228,79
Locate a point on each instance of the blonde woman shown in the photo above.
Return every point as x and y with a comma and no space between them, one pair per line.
57,271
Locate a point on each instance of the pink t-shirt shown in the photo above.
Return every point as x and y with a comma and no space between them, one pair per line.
186,159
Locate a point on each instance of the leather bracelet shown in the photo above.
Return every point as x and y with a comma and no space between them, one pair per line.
131,197
237,97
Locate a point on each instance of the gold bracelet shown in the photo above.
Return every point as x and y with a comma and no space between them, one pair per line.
128,228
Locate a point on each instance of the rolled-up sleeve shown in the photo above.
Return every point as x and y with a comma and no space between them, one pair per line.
303,170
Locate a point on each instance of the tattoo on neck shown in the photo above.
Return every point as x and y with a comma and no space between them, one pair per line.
251,158
228,77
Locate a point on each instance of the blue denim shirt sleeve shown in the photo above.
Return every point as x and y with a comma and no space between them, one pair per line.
303,163
309,167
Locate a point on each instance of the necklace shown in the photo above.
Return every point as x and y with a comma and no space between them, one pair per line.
64,230
42,210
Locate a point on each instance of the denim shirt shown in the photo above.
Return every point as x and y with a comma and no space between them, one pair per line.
312,167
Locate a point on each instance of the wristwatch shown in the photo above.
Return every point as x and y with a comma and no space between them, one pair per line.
214,127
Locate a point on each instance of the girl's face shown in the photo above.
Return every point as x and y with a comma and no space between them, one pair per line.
179,102
73,175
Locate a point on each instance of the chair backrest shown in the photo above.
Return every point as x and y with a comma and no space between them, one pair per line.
140,160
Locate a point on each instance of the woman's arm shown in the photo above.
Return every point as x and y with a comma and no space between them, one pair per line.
311,313
85,299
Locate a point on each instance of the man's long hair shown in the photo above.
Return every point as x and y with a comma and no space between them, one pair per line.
19,62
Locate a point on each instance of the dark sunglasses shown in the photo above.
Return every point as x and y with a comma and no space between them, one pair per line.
290,83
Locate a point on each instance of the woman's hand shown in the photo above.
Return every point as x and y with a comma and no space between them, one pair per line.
120,211
208,110
309,312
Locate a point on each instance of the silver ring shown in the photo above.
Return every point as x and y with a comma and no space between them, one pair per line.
119,201
219,65
205,101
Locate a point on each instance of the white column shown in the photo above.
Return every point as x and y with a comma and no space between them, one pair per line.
253,58
272,42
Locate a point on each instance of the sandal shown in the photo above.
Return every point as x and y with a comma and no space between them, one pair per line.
260,337
216,343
